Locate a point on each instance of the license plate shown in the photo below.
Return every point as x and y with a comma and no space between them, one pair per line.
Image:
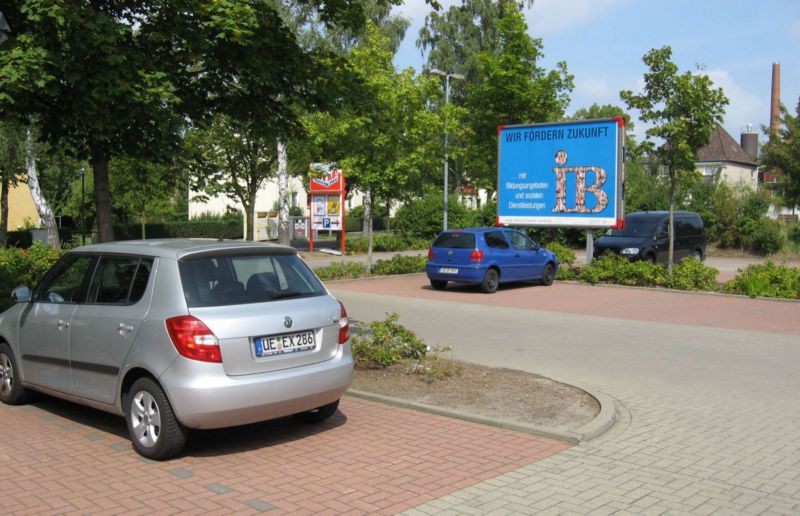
448,270
272,345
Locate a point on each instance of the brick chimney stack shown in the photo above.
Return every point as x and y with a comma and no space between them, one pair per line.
775,104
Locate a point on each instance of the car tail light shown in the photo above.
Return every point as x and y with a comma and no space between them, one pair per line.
192,338
476,255
344,325
431,254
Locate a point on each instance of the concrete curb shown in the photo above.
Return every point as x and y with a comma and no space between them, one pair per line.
603,422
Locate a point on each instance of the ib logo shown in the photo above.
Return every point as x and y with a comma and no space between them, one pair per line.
581,188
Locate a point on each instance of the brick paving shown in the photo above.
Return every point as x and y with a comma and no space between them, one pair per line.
368,458
706,389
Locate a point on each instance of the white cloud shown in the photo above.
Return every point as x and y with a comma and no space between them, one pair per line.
744,107
416,10
554,16
794,30
598,90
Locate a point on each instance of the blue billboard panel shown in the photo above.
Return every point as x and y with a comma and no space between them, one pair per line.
560,174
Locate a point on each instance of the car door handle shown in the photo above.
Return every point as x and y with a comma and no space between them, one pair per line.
124,328
62,324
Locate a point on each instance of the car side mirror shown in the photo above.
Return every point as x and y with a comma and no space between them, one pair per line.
21,294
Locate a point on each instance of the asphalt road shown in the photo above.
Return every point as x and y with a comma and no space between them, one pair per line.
706,388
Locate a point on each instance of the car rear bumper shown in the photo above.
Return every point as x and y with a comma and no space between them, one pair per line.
203,396
465,274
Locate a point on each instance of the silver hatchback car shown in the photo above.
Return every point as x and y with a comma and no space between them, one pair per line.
179,334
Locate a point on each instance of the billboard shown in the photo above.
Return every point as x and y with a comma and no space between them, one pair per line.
561,174
326,191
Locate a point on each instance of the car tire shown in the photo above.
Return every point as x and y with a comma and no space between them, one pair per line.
319,414
491,280
438,284
154,430
698,255
548,275
650,258
11,390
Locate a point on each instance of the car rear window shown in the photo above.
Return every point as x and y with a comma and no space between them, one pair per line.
455,241
239,279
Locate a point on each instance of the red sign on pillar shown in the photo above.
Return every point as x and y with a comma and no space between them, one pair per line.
326,197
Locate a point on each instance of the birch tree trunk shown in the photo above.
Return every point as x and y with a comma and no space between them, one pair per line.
284,238
45,213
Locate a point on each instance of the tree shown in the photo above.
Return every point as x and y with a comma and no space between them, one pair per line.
683,110
116,78
383,137
782,155
42,206
146,190
512,89
234,159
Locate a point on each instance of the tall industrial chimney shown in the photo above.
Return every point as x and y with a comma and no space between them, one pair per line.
775,104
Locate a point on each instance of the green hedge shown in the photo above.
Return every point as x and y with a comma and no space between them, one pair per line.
181,229
690,274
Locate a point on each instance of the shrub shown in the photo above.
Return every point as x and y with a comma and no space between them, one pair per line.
341,270
422,218
400,264
767,237
692,274
386,342
616,269
766,280
793,232
23,267
565,255
380,242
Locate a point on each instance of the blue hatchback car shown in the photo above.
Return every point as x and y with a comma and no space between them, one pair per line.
488,257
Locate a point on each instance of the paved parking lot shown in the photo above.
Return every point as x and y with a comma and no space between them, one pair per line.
368,458
706,389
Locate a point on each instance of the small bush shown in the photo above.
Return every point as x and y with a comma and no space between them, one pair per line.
23,267
565,255
767,237
793,232
616,269
767,280
386,342
400,264
692,274
341,270
381,242
422,218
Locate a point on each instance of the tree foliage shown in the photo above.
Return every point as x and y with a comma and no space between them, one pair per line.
231,158
781,154
683,110
121,78
382,137
512,89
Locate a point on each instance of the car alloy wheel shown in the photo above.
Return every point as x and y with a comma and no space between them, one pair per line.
11,391
6,376
154,430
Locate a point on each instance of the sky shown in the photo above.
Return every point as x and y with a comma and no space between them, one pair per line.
735,42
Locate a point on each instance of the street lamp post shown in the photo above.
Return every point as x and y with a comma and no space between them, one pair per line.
82,172
447,77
